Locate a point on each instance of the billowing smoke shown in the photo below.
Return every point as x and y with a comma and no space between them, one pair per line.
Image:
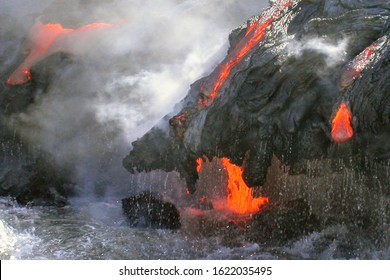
99,102
334,52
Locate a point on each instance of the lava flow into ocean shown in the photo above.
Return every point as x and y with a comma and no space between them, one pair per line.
288,134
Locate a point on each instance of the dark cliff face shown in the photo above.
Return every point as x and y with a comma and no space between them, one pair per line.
280,97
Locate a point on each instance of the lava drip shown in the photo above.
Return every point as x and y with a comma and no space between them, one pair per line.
255,34
342,130
47,39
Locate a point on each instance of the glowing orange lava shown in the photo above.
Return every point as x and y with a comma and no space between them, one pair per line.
199,165
364,58
342,130
47,39
240,197
255,34
356,67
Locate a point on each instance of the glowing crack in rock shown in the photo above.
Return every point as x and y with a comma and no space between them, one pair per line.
342,130
255,34
47,39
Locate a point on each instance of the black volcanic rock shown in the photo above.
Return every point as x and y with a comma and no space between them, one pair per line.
280,100
283,221
147,210
37,184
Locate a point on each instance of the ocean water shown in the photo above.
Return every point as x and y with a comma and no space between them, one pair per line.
41,233
91,130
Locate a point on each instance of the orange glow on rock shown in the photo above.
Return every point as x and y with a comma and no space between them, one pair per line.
47,39
354,69
240,197
364,58
199,165
342,130
255,34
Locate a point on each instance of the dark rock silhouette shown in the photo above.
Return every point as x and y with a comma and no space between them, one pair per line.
37,184
147,210
285,221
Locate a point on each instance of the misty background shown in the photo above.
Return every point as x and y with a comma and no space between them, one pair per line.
104,99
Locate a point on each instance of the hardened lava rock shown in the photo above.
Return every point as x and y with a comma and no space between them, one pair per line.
148,210
277,91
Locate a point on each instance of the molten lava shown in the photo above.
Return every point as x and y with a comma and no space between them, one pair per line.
240,198
353,70
47,39
255,34
342,130
199,165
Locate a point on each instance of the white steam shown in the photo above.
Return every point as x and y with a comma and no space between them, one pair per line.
334,52
101,102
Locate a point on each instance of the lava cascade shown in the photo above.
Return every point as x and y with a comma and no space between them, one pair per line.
240,198
255,34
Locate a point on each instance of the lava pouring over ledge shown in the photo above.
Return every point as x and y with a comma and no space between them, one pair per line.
239,200
240,197
255,34
47,39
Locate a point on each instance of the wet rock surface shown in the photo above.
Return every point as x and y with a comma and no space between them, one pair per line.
281,99
281,222
278,102
148,210
37,184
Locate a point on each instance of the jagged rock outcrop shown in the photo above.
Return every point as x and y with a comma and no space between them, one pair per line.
279,97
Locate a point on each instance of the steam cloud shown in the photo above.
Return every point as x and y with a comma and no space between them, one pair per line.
334,53
101,102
